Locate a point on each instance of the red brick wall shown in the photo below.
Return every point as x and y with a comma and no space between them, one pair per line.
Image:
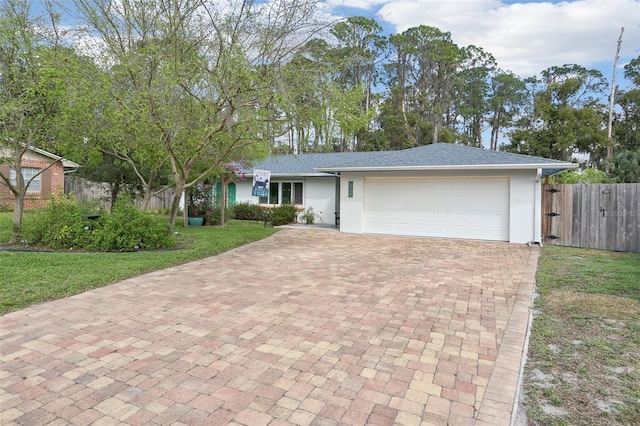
51,181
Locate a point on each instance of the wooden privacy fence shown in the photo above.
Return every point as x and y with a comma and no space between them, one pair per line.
88,191
600,216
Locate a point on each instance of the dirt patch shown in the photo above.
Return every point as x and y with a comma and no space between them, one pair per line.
584,361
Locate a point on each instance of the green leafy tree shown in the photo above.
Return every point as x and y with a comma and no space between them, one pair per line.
567,116
37,81
507,98
308,97
422,73
626,125
471,103
203,74
624,167
116,173
589,175
357,56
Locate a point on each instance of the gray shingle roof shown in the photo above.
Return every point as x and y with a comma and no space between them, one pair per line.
304,164
435,156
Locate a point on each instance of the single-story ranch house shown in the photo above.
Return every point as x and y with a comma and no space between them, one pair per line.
46,168
438,190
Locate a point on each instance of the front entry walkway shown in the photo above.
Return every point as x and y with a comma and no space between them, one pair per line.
302,328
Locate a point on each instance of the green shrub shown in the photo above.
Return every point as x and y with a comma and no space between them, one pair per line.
247,211
283,215
61,225
213,217
64,224
127,228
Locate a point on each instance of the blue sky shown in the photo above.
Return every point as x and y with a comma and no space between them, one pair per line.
526,36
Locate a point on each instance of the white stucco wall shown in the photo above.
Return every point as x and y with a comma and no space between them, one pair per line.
243,192
318,193
524,200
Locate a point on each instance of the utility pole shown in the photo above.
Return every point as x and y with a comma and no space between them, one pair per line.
612,99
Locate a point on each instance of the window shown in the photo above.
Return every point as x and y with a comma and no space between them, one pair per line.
273,193
27,173
284,193
297,193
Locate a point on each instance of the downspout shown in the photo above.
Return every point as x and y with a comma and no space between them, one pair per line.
537,208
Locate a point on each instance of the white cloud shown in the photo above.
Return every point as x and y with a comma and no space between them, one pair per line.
356,4
527,38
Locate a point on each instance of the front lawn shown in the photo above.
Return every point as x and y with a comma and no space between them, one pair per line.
27,278
584,351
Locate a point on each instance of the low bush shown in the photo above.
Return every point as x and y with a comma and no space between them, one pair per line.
247,211
65,224
283,215
213,217
127,228
62,224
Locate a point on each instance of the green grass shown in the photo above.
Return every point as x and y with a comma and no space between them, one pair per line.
29,278
589,271
586,336
6,223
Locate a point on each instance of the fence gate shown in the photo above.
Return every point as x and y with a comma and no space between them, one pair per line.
601,216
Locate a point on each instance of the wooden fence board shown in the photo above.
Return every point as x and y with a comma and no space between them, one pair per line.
88,191
602,216
566,218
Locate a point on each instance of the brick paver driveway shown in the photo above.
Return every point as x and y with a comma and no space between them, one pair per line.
305,327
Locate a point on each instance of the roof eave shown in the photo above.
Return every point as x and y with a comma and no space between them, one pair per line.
67,164
286,175
530,166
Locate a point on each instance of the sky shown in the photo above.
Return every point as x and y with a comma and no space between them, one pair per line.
526,36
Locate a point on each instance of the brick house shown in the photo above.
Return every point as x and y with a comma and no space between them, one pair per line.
51,180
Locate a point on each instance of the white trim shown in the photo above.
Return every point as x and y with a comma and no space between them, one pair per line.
297,175
453,167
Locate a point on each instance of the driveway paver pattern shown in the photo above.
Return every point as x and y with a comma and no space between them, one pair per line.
302,328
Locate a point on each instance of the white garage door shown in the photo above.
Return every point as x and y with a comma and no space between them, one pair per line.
475,208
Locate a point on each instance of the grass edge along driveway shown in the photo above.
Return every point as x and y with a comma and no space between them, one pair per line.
30,278
583,363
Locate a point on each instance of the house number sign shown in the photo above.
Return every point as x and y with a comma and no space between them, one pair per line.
350,189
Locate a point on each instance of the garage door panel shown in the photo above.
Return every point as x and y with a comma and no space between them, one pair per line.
457,215
389,213
477,215
458,208
457,231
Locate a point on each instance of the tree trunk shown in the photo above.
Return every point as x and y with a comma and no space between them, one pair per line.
18,209
175,203
495,131
19,192
115,190
148,190
223,201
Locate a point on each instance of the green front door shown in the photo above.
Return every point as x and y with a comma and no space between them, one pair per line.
231,194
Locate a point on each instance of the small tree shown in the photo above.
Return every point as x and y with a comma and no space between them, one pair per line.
34,92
